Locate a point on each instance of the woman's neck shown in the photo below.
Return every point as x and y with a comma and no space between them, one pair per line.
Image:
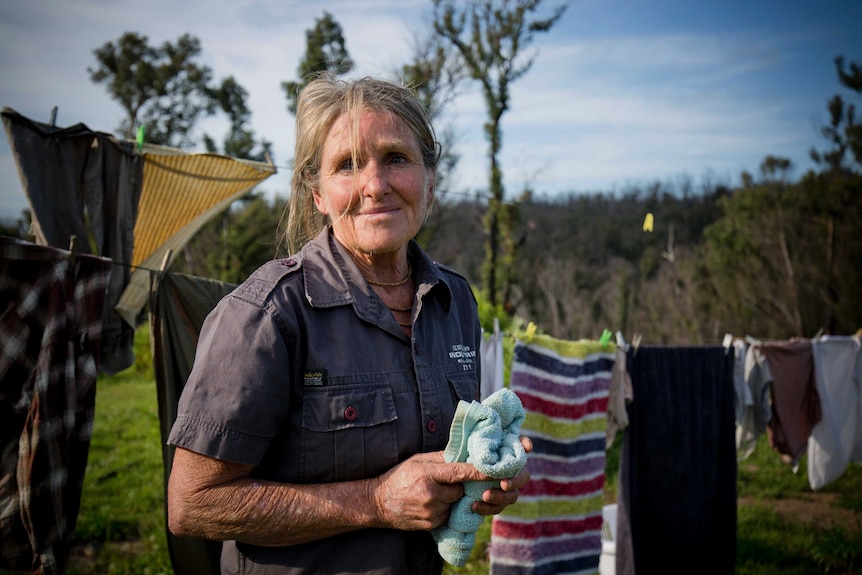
387,270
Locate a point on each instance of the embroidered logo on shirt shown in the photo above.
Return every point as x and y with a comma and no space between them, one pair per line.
464,356
315,378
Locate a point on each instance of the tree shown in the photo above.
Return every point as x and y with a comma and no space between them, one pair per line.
231,247
843,131
852,130
325,51
779,258
164,87
435,75
239,142
491,36
18,227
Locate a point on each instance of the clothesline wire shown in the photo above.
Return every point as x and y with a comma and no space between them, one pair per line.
116,263
132,266
73,253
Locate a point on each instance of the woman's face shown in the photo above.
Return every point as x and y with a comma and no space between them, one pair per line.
377,206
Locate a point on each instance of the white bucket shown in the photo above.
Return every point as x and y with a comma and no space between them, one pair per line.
608,559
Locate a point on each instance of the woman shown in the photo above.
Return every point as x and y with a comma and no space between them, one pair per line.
309,434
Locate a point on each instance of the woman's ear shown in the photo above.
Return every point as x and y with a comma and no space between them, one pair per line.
432,180
319,202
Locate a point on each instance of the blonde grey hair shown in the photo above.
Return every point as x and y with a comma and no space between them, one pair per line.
320,104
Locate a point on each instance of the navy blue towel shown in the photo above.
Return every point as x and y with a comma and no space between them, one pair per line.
677,486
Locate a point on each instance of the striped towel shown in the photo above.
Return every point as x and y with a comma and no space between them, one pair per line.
556,525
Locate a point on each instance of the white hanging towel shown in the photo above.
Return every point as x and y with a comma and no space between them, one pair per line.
837,438
741,389
491,358
756,416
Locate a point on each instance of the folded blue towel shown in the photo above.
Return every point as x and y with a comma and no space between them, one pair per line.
486,435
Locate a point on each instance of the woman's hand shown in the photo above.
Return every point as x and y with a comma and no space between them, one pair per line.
417,493
495,500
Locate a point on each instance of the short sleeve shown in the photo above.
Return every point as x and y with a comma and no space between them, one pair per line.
237,394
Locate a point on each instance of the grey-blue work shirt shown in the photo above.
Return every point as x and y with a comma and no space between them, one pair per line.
303,372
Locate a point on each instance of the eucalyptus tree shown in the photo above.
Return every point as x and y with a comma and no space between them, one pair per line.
844,130
325,51
436,73
240,140
163,87
492,37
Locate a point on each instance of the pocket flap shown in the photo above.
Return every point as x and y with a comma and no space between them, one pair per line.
333,409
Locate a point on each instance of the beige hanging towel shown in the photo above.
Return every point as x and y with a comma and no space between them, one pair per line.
181,193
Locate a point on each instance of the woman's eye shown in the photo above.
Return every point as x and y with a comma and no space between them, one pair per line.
397,159
346,165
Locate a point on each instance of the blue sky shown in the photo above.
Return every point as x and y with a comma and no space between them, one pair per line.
621,92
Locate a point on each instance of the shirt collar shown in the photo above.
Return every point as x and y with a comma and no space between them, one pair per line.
332,278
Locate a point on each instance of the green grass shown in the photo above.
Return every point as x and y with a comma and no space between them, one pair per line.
121,528
769,543
763,475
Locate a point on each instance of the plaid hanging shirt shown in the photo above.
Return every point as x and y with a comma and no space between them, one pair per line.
50,328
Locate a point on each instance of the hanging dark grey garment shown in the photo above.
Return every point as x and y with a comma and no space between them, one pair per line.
677,484
178,306
87,184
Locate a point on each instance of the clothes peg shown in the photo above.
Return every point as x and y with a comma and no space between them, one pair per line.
139,136
621,341
605,338
530,332
73,251
728,341
636,341
165,260
648,222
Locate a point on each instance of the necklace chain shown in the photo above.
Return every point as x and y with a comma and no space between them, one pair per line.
393,284
399,283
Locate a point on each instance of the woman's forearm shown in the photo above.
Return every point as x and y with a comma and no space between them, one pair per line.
218,500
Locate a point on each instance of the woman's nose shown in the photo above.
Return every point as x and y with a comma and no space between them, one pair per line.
373,179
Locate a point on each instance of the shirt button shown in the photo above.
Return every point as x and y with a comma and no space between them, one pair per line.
288,262
350,413
432,426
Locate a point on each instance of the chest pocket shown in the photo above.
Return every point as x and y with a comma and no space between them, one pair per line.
464,387
348,433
